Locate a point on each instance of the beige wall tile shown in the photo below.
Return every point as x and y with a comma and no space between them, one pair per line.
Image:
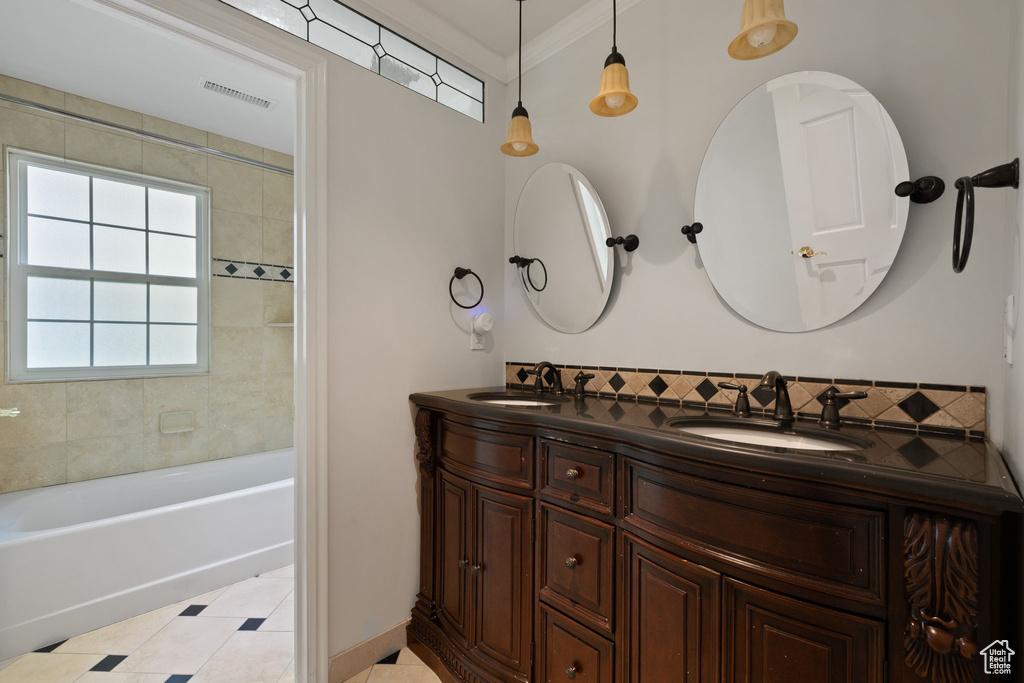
278,432
279,159
236,350
171,450
235,187
278,196
172,394
98,146
29,467
236,236
278,242
105,457
31,92
108,408
278,302
174,163
236,147
237,302
278,349
235,398
22,130
102,111
278,392
43,413
177,131
236,438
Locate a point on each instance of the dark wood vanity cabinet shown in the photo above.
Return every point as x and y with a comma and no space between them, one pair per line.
552,556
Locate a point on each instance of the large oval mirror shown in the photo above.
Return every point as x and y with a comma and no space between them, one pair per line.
796,196
562,260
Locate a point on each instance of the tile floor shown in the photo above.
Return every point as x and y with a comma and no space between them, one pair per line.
243,633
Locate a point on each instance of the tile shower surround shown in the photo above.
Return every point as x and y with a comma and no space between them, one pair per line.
924,409
71,431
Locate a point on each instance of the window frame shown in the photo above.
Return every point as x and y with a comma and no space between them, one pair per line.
18,272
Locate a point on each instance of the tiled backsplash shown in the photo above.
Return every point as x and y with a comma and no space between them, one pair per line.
70,431
943,409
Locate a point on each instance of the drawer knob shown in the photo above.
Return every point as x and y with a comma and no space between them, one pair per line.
571,562
475,569
573,474
463,563
570,672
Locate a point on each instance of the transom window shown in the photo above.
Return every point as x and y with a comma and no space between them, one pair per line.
109,273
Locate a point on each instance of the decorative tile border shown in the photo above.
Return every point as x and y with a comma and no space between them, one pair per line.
936,409
252,271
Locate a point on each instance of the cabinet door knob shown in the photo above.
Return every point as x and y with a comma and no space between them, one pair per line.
573,474
463,563
570,672
571,562
475,569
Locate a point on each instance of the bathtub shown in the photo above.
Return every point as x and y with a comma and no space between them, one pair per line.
79,556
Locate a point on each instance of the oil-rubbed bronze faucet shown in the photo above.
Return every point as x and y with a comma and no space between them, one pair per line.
556,383
783,408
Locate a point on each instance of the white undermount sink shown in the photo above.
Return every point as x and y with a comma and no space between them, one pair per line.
518,399
762,434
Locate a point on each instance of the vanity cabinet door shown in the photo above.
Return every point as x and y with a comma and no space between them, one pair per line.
453,554
501,569
672,608
770,638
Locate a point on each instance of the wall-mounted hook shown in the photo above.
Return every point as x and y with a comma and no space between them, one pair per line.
691,231
629,242
923,190
459,274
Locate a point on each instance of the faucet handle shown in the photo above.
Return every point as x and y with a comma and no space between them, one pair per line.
581,380
742,408
830,411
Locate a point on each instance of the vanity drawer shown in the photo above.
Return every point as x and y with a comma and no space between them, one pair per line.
569,651
495,456
582,476
816,546
577,560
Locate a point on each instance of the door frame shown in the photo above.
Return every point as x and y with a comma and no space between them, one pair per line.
215,25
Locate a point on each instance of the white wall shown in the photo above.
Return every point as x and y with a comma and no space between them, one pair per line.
1013,441
939,68
416,190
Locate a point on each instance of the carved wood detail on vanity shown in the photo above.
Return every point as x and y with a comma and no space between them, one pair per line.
426,456
941,580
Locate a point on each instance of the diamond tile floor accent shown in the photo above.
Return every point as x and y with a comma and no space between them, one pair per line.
207,638
402,666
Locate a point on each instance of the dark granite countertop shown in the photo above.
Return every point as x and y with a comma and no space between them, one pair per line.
916,468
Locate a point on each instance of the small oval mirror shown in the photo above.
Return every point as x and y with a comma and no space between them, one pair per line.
796,195
561,257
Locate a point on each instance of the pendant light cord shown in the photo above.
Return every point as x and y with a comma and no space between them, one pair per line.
614,26
520,53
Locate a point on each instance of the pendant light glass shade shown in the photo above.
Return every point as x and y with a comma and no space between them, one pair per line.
520,132
520,135
764,30
614,97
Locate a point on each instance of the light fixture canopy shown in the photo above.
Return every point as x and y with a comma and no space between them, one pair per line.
764,30
614,97
520,131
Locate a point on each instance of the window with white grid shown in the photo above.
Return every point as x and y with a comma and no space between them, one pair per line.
108,273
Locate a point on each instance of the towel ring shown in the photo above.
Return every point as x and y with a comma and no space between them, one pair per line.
530,277
1006,175
459,274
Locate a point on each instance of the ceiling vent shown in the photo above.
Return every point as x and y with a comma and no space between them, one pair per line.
261,102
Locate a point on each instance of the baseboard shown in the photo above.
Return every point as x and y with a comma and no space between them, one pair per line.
347,664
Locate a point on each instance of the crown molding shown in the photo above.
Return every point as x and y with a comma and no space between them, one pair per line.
413,19
574,27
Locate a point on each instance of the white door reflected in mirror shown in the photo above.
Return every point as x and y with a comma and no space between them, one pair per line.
796,194
565,266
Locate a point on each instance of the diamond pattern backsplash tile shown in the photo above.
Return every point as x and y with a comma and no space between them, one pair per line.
906,407
253,271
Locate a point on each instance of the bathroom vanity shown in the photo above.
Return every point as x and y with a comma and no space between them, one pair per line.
591,540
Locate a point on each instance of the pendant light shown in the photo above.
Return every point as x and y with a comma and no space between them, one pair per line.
614,97
764,29
520,133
